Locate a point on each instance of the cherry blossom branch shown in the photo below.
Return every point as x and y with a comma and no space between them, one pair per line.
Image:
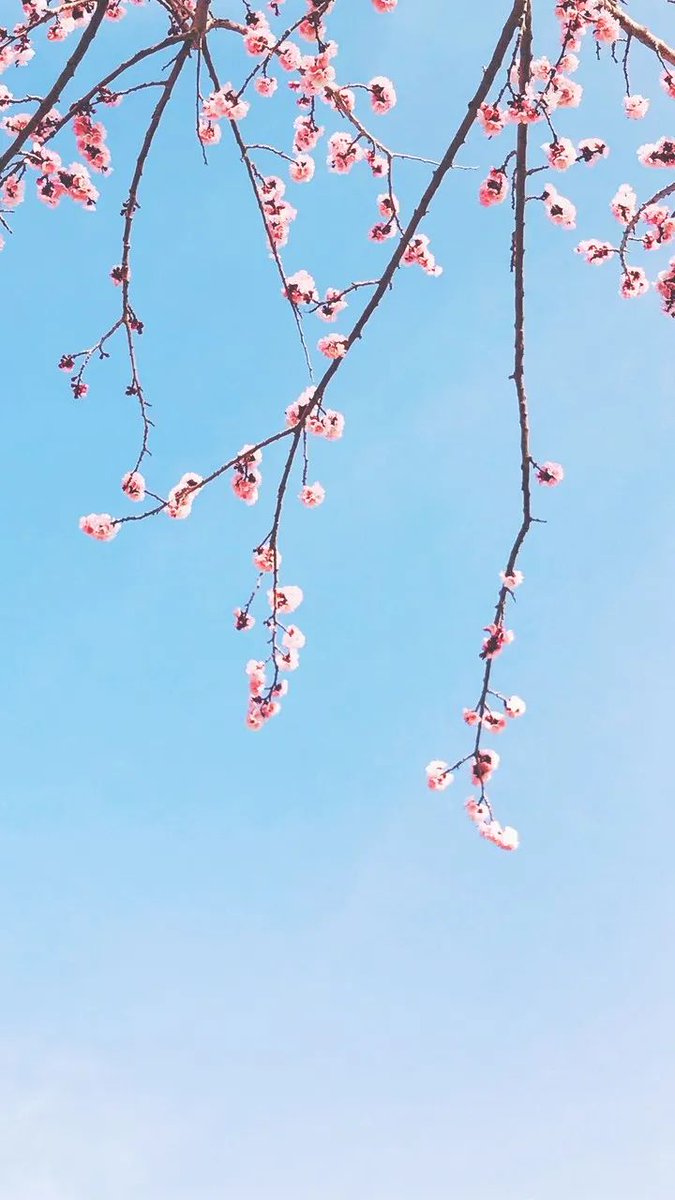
662,194
640,32
254,180
518,266
57,88
385,281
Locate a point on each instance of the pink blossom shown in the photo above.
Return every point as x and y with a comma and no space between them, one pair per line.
439,775
266,85
264,558
100,526
133,485
606,29
382,94
658,154
515,707
668,84
290,56
181,497
307,133
494,189
384,6
243,620
566,93
259,41
498,637
491,117
665,286
471,717
225,103
484,763
522,109
256,676
333,346
494,721
294,638
511,579
634,283
635,107
333,425
343,153
333,304
312,495
561,154
388,205
317,73
550,474
287,659
624,204
591,149
285,599
595,252
302,170
301,288
560,210
417,253
209,133
13,191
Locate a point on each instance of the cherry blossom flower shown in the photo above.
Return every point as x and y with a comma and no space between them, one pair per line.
484,763
100,526
382,94
492,119
133,485
417,253
265,558
498,637
635,107
312,495
266,85
511,579
302,170
494,189
225,103
560,210
333,304
343,153
181,497
560,154
439,775
591,149
658,154
301,288
209,133
333,425
668,83
471,717
243,620
665,286
515,707
549,474
624,204
384,6
595,252
333,346
494,721
634,283
285,599
294,638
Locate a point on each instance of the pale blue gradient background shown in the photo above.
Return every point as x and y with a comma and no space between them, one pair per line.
274,965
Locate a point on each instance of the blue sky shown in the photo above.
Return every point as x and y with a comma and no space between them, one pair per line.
246,966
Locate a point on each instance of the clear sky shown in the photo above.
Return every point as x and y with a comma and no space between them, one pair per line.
274,966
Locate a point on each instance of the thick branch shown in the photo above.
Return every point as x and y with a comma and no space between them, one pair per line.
640,32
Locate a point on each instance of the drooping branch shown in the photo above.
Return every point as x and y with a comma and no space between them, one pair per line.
518,265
